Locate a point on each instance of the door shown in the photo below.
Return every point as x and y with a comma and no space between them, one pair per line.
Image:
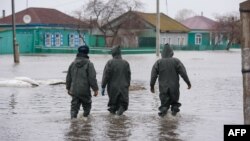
25,42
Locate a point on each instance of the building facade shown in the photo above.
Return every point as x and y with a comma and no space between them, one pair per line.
49,30
138,29
201,30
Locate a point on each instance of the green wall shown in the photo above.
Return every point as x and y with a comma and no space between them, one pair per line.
96,41
6,42
205,38
24,39
29,39
147,41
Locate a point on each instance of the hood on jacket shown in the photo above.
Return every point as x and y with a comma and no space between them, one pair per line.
167,51
81,60
116,52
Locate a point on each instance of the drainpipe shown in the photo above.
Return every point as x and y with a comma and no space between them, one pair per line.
245,56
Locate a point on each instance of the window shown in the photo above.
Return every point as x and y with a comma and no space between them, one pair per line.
168,41
198,38
58,39
221,39
163,40
71,40
53,39
48,39
81,39
182,41
76,39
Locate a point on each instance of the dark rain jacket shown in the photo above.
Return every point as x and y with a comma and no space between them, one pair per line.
80,77
117,76
168,70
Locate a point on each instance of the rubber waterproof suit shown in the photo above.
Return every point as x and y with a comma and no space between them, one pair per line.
117,76
168,70
80,77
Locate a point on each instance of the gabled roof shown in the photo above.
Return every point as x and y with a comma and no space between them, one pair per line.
43,16
167,24
199,23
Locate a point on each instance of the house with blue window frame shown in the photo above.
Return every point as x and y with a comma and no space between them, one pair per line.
46,30
201,31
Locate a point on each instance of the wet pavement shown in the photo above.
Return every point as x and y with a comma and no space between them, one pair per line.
42,113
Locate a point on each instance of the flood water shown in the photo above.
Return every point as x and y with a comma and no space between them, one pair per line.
43,113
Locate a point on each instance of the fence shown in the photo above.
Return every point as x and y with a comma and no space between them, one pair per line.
130,50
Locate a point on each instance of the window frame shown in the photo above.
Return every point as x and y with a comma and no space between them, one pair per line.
198,39
48,39
72,40
57,41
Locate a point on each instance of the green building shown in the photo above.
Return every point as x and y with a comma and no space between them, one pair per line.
201,32
45,30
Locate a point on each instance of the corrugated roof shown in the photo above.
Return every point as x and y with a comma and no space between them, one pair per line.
44,16
199,23
167,24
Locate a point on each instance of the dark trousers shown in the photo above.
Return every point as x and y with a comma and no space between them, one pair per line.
75,107
167,101
119,102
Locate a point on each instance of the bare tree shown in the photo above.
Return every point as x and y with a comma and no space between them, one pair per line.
228,28
81,23
102,12
183,14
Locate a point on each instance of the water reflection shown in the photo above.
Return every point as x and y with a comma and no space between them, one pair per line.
118,127
12,103
80,129
41,111
168,128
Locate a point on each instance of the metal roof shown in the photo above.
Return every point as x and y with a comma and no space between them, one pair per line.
43,16
167,24
199,23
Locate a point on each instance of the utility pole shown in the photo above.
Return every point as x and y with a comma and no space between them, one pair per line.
245,56
27,3
157,29
167,6
15,45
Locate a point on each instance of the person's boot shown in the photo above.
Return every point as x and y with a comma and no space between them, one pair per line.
120,111
175,110
86,113
73,114
111,110
163,111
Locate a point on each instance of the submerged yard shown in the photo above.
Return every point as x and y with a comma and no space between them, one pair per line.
43,112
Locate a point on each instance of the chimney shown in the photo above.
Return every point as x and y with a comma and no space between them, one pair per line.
201,13
3,13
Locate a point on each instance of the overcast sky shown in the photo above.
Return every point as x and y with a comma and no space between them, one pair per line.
171,7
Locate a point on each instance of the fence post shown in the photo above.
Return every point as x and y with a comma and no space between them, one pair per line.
245,55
